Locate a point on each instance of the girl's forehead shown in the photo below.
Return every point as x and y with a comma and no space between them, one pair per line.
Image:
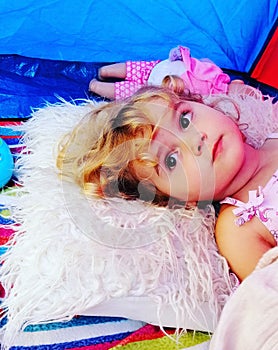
158,109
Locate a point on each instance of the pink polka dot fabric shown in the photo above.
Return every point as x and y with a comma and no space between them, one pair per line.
137,74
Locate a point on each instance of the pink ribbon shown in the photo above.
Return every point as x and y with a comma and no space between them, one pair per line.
246,211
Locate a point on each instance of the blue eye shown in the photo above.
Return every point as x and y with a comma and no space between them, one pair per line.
185,119
171,161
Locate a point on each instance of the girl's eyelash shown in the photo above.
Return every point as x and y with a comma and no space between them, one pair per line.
185,119
184,114
171,160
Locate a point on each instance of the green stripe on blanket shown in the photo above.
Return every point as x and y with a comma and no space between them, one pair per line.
151,338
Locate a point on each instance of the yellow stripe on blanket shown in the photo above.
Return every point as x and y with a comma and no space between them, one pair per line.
185,341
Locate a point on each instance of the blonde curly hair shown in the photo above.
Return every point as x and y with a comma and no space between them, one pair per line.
101,152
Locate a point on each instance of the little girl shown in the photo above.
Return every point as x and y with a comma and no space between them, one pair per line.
182,70
170,148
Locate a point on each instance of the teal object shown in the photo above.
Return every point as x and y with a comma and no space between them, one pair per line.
6,163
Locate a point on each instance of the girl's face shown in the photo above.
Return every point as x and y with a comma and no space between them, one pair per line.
199,150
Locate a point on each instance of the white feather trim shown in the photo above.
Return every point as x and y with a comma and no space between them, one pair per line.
70,254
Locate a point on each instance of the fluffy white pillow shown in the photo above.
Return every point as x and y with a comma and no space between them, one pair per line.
92,257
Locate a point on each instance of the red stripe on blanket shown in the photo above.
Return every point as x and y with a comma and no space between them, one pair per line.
147,332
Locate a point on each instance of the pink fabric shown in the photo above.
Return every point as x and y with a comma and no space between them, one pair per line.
203,76
262,203
249,318
137,74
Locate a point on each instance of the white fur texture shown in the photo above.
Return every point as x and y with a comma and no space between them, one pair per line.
70,254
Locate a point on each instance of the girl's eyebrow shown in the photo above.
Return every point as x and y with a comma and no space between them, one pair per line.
157,169
176,105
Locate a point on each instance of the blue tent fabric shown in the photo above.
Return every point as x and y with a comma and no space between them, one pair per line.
52,49
231,33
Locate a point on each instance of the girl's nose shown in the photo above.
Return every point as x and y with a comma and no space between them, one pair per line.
197,143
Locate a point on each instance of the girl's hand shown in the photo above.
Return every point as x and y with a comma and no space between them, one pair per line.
175,54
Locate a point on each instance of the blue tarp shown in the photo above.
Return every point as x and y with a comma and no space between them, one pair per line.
54,47
27,83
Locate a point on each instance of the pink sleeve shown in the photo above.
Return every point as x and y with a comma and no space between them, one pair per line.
203,76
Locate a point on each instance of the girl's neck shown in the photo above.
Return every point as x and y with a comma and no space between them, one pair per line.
254,161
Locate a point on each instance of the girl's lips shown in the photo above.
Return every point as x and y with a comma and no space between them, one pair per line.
217,148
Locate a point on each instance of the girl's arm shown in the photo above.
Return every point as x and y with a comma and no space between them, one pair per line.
242,246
